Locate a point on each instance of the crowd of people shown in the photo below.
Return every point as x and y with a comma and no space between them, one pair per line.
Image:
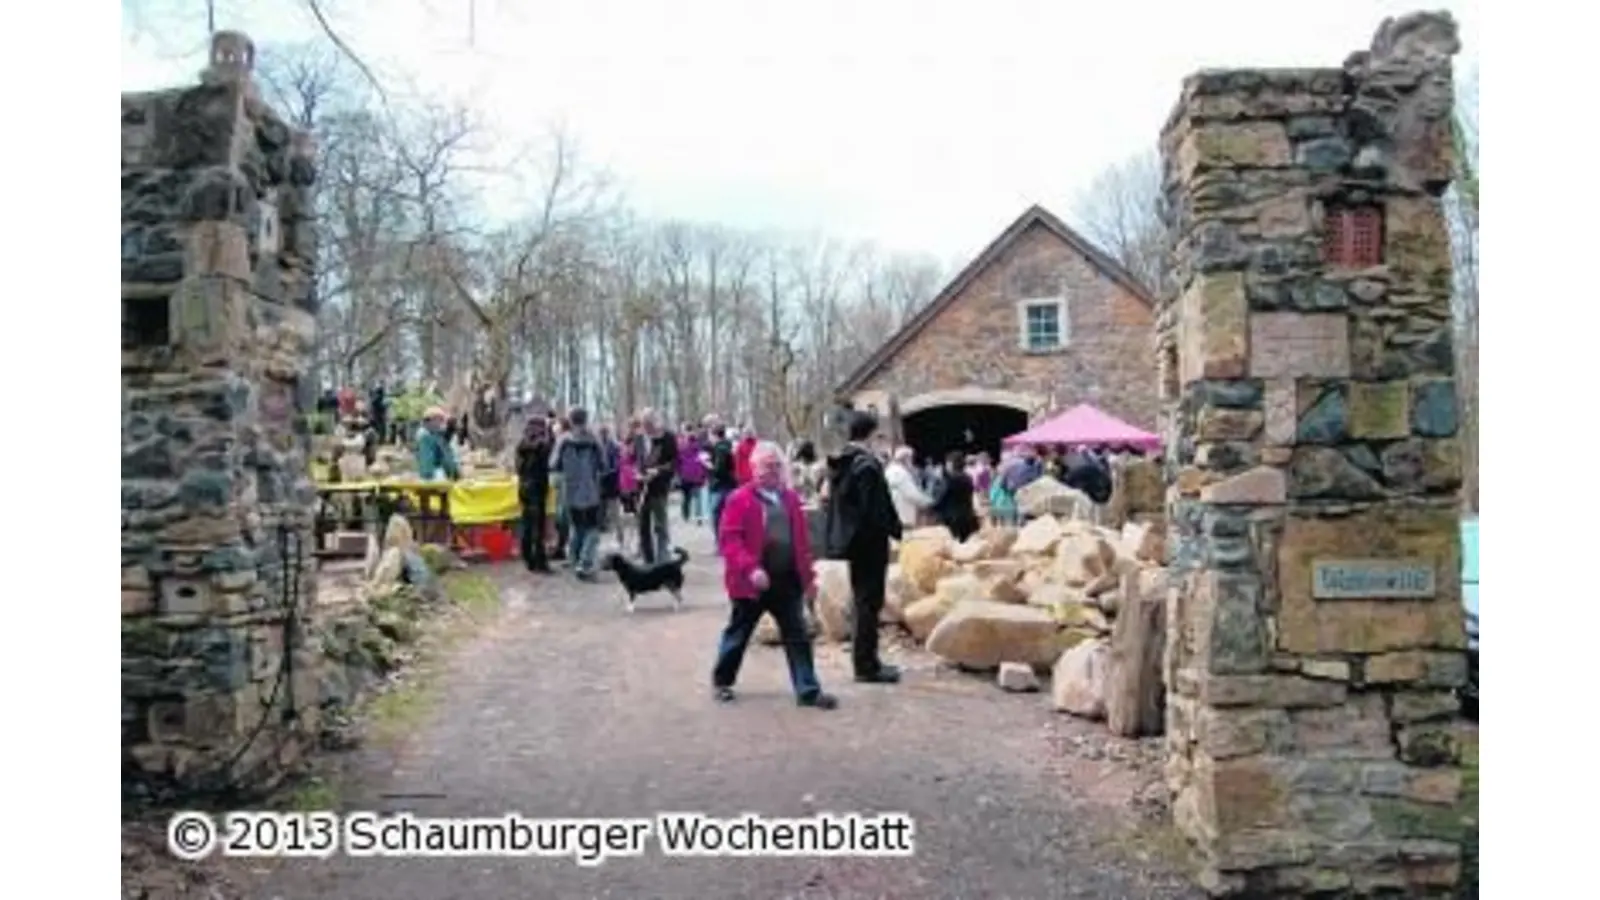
579,480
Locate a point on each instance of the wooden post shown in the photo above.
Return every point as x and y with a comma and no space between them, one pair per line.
1135,694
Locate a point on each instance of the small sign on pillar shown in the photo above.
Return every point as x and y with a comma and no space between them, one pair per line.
1373,579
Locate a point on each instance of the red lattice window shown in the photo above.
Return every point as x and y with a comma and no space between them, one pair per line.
1353,237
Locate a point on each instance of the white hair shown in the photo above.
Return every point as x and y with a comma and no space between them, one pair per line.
903,454
649,417
764,449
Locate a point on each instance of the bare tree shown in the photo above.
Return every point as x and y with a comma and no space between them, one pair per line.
1120,211
1461,208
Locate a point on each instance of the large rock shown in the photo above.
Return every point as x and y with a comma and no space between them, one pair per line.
1046,496
1144,541
924,563
1037,538
1004,589
1017,677
899,593
1081,615
1078,681
983,545
938,534
834,599
982,634
397,533
1081,558
925,614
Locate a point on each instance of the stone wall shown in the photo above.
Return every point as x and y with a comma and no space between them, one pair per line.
1311,431
218,684
974,341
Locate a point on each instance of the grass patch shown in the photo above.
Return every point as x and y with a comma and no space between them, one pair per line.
312,795
406,706
402,708
472,591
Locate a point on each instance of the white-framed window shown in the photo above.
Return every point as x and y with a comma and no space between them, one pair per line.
1042,324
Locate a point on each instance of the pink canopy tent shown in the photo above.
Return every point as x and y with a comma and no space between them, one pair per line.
1085,426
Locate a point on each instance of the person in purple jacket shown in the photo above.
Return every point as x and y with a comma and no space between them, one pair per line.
692,475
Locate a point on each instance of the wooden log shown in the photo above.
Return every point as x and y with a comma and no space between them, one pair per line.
1135,692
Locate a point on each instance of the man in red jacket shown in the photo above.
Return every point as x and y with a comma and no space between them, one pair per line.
767,570
741,456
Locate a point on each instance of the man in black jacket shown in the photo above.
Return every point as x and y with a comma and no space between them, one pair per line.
533,484
655,451
861,521
723,477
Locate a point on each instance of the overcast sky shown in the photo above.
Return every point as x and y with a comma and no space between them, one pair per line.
921,125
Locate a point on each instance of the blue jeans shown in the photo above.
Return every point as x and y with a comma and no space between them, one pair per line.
585,538
787,608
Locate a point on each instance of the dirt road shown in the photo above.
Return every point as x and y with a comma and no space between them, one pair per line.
566,707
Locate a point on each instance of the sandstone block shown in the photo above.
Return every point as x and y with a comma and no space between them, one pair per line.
979,634
1216,424
1330,669
217,248
1046,497
1225,733
1278,404
1017,678
1272,691
1215,316
1416,244
1380,410
1144,542
1080,558
1308,626
1260,486
899,594
1421,668
1078,680
1294,345
1406,707
1233,145
1037,537
834,599
923,563
1357,729
923,615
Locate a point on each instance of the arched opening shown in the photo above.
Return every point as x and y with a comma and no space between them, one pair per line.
934,431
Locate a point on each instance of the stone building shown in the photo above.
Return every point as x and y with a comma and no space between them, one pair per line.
219,687
1041,320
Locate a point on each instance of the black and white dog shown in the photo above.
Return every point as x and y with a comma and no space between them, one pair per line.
639,579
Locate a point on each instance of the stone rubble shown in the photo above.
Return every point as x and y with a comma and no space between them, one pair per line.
1023,602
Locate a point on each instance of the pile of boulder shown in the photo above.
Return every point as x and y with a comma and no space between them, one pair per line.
1061,596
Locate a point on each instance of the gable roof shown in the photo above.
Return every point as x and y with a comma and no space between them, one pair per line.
1034,215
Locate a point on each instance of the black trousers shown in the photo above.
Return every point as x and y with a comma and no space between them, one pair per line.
868,573
533,524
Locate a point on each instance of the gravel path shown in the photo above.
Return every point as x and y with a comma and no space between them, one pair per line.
568,707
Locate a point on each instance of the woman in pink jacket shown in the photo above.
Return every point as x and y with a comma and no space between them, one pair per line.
767,569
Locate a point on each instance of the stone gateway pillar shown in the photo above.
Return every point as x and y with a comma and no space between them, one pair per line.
218,686
1316,634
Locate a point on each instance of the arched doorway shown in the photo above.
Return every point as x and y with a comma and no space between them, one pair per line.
934,431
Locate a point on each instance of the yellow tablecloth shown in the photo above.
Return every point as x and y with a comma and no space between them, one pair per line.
475,502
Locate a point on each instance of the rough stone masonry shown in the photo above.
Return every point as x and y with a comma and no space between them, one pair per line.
218,686
1311,423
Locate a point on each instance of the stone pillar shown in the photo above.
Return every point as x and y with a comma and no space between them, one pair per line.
1316,634
218,686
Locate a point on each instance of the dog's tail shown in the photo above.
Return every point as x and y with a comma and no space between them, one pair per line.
682,554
